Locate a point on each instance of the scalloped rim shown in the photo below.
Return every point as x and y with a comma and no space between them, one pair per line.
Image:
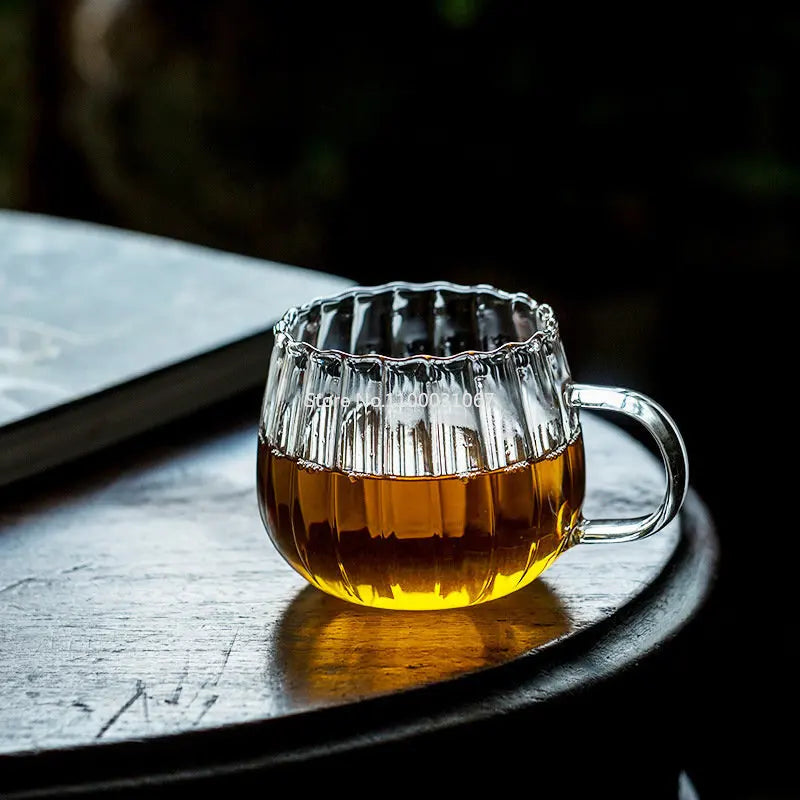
542,310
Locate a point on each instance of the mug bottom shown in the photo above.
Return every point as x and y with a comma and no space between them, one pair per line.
437,598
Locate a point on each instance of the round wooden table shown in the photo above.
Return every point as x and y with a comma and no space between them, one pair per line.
152,640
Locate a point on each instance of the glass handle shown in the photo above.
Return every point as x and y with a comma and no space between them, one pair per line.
673,452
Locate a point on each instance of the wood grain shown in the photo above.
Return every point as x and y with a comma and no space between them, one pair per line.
146,600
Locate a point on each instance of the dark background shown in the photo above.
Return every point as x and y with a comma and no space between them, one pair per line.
640,173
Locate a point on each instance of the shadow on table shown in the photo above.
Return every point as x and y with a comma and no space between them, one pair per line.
328,651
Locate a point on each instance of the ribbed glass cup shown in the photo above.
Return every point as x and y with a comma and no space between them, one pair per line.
419,444
418,381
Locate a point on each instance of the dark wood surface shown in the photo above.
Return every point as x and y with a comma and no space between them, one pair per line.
143,606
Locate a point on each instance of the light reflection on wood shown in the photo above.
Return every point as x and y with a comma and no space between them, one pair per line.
329,651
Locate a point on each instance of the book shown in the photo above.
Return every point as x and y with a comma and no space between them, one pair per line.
106,333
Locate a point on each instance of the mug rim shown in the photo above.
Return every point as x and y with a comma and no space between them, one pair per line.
543,311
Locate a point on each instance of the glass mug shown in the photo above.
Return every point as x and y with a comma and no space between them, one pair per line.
420,445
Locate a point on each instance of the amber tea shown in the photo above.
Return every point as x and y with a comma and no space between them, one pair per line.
421,543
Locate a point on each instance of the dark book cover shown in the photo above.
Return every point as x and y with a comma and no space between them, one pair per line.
106,333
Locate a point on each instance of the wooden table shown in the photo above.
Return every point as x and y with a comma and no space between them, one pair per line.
152,636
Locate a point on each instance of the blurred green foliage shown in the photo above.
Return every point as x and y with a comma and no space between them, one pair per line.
459,13
475,132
